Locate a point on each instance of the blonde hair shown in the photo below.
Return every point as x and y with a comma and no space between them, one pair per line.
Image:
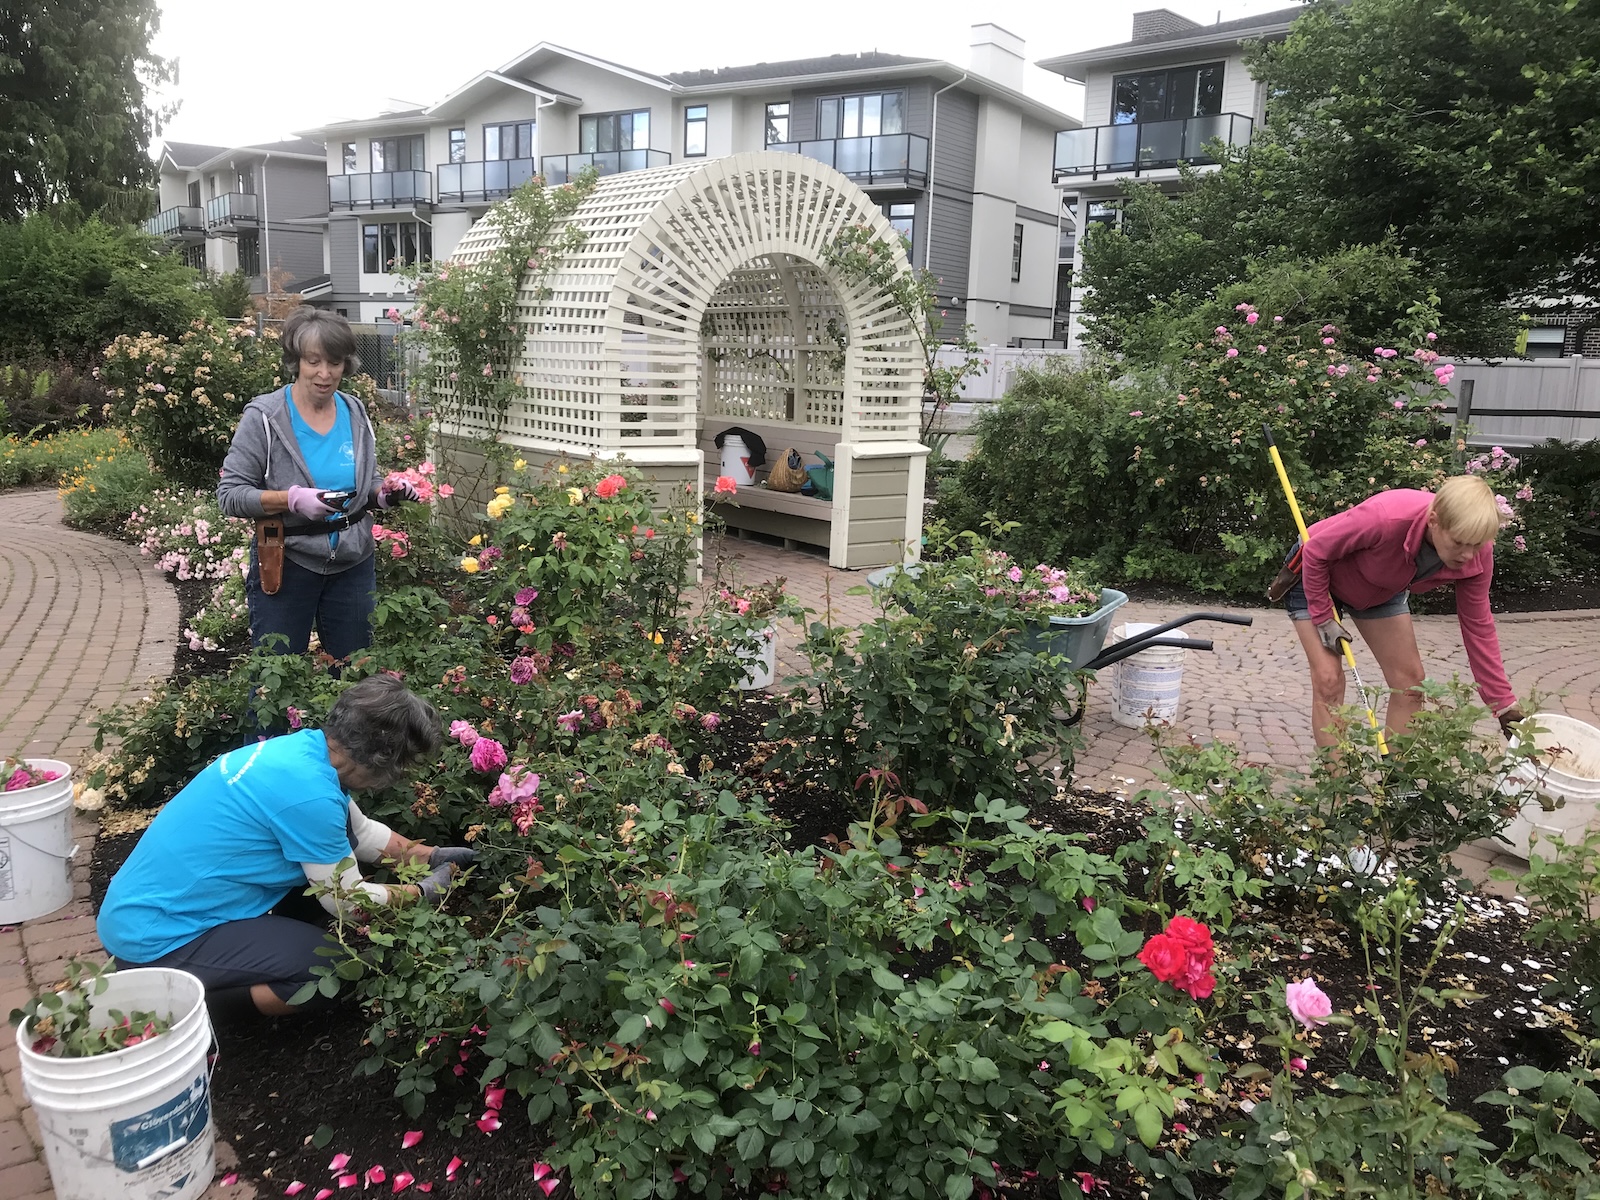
1466,508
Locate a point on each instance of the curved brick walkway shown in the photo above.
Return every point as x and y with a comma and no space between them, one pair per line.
84,623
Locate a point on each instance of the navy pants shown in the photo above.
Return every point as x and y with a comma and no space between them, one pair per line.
339,607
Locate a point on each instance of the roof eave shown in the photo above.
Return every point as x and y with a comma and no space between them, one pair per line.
1106,55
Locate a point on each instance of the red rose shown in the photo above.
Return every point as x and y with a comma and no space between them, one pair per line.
1199,986
1165,956
1196,938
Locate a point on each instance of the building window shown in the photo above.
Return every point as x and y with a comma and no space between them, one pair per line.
250,253
601,133
1016,253
1105,212
1546,341
458,145
389,244
777,123
245,181
694,131
512,140
398,154
349,153
861,116
902,217
1167,95
195,256
194,194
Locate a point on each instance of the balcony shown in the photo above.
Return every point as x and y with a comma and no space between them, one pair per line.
886,160
233,209
1146,146
562,168
182,224
482,182
381,189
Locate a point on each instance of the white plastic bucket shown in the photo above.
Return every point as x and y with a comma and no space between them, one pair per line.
736,460
134,1124
36,847
1147,686
760,657
1567,771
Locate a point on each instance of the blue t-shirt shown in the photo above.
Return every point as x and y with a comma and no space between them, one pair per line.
331,456
228,846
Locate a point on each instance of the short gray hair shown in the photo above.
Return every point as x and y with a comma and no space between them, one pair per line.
383,726
327,331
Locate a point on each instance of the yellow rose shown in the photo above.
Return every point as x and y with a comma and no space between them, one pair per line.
469,565
501,490
520,465
561,470
574,495
477,540
499,505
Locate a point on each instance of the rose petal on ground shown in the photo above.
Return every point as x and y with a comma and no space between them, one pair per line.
348,1181
339,1163
376,1175
231,1178
294,1189
549,1185
540,1170
489,1122
323,1194
403,1180
452,1167
412,1137
494,1098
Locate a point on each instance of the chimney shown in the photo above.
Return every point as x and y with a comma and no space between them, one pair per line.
997,54
1160,22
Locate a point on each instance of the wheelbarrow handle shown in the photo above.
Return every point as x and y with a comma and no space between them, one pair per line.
1127,649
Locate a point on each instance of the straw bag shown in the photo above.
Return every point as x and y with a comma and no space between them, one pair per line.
788,473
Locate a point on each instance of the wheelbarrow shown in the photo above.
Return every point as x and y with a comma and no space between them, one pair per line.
1144,641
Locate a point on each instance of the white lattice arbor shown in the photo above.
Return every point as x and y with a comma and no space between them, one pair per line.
701,300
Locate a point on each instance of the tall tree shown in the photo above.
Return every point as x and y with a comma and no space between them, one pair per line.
1471,128
75,117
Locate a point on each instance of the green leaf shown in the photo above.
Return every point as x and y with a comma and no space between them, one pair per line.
693,1047
631,1029
703,1137
887,979
1523,1077
1147,1120
749,1145
957,1186
322,1136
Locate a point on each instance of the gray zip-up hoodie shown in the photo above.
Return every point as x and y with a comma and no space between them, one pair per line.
265,457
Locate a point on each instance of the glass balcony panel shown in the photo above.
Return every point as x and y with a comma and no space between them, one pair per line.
177,222
1117,148
854,157
1160,142
891,154
562,168
1075,150
379,188
821,151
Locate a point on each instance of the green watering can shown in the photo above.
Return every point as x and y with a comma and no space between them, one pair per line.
822,477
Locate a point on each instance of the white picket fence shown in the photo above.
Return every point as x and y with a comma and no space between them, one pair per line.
1004,361
1518,403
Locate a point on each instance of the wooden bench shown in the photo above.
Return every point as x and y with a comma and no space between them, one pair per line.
787,515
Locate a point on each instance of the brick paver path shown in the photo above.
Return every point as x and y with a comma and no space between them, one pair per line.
84,622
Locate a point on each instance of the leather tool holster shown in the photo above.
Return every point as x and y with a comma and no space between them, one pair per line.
269,553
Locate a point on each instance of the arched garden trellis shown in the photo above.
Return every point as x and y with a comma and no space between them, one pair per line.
702,300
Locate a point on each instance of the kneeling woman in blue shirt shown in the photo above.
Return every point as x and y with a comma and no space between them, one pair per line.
204,891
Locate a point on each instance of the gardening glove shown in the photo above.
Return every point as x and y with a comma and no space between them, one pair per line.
1330,633
1509,718
305,502
463,856
393,493
435,885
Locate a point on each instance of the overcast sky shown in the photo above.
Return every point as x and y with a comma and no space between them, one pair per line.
258,72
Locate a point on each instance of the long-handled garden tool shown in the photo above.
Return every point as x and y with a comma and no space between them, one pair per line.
1305,536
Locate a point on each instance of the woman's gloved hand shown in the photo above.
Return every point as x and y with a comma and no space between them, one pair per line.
1509,718
1330,633
460,855
305,502
391,494
435,885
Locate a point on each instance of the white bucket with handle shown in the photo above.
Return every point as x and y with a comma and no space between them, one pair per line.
1147,686
36,849
736,460
1567,772
133,1124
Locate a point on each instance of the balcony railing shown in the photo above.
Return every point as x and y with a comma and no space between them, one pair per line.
464,183
1146,146
380,189
900,159
233,208
560,168
179,223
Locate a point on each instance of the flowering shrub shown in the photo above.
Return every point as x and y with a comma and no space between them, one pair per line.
187,535
1182,956
224,622
59,458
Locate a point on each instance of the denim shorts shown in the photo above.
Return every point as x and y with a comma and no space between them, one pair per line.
1297,608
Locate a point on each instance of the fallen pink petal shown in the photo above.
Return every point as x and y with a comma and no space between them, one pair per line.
323,1194
339,1163
294,1189
540,1170
489,1122
412,1137
348,1181
549,1185
452,1167
231,1178
403,1180
376,1175
495,1098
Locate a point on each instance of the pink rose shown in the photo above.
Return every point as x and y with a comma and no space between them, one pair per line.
488,755
1308,1003
463,732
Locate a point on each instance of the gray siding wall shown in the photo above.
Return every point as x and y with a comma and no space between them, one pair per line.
955,151
294,189
955,156
345,251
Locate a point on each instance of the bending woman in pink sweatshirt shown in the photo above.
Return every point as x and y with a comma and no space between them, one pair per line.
1370,558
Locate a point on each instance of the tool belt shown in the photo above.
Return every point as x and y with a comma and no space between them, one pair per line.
271,533
1286,579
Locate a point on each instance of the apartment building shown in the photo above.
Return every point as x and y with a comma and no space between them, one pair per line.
1151,104
249,208
958,158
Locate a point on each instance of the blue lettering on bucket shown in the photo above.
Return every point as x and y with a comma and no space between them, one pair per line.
176,1122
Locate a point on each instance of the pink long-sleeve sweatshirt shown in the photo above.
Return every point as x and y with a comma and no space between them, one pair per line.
1367,554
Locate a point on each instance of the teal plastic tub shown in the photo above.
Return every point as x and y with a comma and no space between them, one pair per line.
1076,639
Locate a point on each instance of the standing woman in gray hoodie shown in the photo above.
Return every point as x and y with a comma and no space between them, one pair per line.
303,466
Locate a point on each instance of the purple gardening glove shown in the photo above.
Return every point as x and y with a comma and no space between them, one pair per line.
304,502
393,493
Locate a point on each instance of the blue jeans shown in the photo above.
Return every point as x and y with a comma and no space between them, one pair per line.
338,606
